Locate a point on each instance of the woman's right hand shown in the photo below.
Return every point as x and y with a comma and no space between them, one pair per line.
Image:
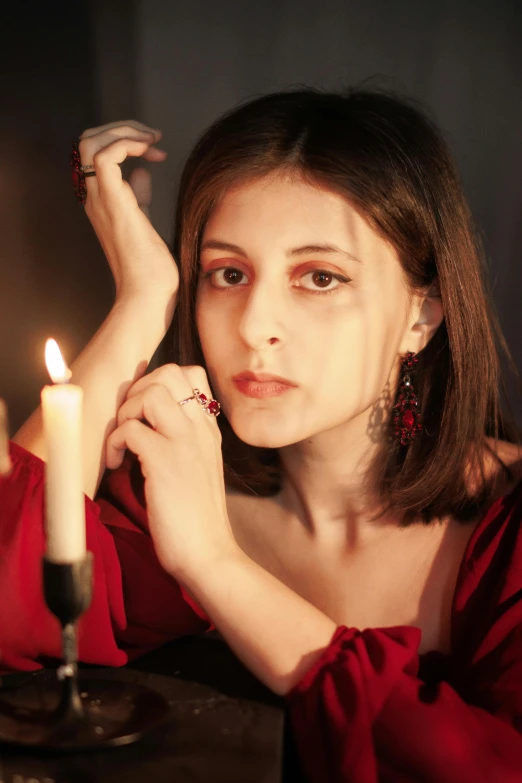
140,261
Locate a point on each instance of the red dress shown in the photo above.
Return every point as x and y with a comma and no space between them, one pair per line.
370,710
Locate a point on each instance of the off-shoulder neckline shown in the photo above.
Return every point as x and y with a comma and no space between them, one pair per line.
492,511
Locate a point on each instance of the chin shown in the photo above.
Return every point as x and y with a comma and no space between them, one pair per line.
260,435
264,442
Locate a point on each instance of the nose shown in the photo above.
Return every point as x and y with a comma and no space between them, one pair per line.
262,321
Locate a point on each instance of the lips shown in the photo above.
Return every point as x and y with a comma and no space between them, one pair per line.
262,377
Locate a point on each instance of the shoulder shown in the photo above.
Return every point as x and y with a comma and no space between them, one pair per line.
494,551
496,541
501,455
500,465
487,604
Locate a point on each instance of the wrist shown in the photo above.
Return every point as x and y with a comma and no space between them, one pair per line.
147,314
194,575
145,297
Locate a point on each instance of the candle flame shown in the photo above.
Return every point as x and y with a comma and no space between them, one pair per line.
56,367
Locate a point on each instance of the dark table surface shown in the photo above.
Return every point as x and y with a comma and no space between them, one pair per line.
224,726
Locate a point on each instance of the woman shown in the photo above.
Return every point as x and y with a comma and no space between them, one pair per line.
350,523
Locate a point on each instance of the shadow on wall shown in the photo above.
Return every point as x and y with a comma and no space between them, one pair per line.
54,279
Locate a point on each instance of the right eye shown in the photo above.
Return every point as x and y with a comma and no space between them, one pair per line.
226,277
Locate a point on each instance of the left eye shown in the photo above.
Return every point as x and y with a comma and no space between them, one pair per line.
323,279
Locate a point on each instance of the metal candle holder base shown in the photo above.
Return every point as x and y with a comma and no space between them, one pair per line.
76,713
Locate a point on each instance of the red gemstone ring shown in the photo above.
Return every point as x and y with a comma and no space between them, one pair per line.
79,173
212,407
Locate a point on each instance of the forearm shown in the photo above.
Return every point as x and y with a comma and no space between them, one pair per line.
277,634
117,355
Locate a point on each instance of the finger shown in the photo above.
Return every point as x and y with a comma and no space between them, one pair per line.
152,154
197,379
157,407
182,382
179,381
115,126
132,435
107,161
170,376
141,183
90,145
155,155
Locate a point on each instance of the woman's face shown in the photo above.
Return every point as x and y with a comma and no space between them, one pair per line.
294,283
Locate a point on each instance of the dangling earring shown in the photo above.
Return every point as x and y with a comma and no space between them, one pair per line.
406,418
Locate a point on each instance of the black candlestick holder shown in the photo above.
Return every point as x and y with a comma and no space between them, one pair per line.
74,710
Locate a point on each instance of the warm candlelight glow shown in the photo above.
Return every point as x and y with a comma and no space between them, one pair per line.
5,459
56,367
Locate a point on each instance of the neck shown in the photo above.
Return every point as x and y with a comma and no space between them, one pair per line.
325,485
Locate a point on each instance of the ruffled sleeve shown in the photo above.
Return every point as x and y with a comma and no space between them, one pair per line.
365,713
136,605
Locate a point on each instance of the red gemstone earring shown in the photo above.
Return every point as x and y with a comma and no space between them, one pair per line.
406,418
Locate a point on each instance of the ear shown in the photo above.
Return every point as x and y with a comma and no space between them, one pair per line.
426,316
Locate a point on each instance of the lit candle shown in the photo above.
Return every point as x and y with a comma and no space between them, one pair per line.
62,418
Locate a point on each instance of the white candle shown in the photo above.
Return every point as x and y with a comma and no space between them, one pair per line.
62,418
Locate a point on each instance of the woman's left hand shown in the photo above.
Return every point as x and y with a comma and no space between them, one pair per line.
181,461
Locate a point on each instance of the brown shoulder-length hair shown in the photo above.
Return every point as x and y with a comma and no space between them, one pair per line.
385,156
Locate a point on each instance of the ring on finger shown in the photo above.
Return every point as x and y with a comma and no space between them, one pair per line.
184,402
79,173
212,407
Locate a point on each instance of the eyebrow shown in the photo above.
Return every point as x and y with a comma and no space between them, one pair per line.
216,244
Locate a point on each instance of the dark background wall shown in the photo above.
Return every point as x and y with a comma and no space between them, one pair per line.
176,66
